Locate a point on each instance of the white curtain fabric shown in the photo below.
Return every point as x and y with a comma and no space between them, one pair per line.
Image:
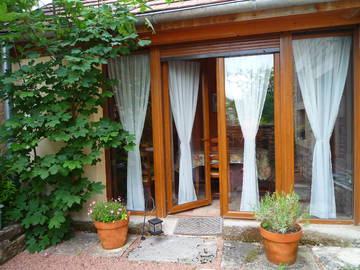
247,80
322,66
184,87
132,95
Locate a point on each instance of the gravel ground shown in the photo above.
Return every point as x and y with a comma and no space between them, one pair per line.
26,261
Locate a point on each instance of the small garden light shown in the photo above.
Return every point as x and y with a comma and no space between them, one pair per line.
155,226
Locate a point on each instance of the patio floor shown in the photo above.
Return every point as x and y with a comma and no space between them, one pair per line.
325,247
176,252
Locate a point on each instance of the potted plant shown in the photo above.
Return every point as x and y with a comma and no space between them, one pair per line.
111,221
279,216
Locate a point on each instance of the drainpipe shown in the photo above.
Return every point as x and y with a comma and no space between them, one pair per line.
6,67
221,8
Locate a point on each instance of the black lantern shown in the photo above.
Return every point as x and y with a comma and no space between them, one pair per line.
155,226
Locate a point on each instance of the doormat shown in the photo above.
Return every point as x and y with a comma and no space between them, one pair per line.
199,226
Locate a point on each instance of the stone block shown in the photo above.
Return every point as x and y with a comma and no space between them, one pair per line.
334,258
75,245
10,232
10,248
98,251
190,250
252,256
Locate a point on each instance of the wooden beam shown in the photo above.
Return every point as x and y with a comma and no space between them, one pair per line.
286,112
158,131
231,28
356,139
167,135
350,6
206,127
223,146
277,124
108,172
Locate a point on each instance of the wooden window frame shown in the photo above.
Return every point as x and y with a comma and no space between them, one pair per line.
354,32
171,208
222,133
283,105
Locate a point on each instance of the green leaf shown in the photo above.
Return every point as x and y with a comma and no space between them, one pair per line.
143,42
57,220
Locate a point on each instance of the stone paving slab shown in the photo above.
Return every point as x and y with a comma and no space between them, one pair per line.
189,250
75,245
98,250
305,261
338,258
251,256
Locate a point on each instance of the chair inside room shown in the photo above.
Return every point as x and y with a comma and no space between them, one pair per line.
214,165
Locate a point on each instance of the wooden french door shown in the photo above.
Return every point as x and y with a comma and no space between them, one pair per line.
201,175
225,151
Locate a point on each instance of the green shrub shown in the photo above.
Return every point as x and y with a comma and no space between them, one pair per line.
58,100
108,211
7,190
279,212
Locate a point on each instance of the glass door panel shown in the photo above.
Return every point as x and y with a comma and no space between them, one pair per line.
187,107
341,139
249,102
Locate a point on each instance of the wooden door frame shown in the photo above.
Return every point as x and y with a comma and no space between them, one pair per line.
222,133
356,145
354,32
171,208
284,151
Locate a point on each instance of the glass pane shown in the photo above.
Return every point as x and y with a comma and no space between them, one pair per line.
119,161
341,147
261,81
197,153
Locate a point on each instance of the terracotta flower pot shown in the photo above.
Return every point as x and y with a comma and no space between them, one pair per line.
281,248
112,235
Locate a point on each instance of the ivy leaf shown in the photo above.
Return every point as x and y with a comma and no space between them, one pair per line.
57,220
72,164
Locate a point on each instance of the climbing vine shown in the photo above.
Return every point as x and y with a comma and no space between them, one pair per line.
56,90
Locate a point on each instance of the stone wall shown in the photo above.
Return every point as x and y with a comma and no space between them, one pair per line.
12,242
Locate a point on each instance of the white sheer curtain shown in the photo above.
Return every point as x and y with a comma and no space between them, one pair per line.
247,80
132,95
184,87
321,66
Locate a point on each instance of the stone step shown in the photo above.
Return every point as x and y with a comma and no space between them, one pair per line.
247,231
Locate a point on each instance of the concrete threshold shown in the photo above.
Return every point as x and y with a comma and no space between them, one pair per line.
247,231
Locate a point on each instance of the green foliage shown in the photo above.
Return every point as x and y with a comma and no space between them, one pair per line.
56,101
279,212
282,267
108,211
267,116
7,185
8,190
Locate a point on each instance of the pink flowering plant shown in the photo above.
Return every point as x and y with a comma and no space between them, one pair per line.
108,212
